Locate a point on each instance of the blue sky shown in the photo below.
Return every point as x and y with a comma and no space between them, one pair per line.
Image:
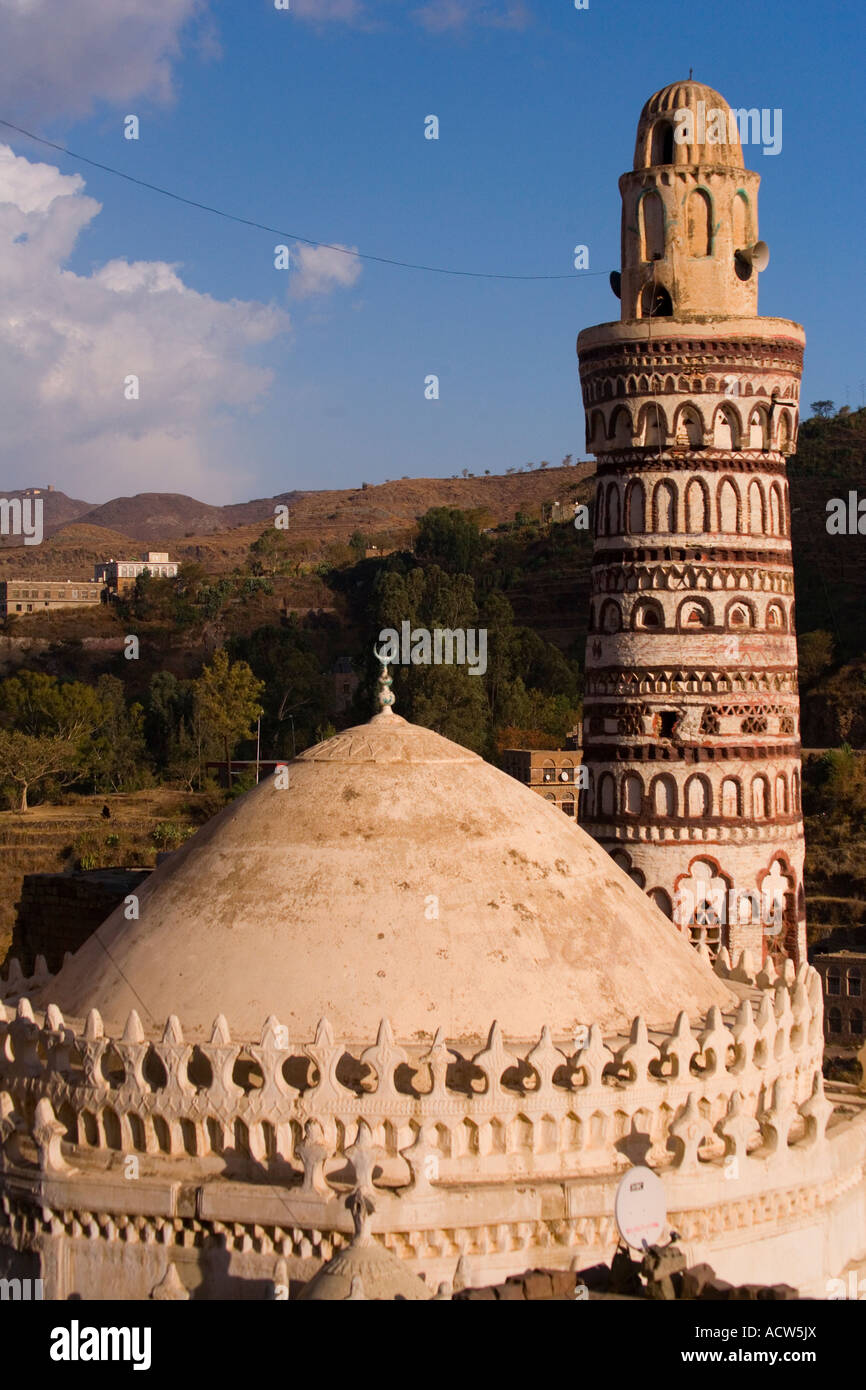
315,378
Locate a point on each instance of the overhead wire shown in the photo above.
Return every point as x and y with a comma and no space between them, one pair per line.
278,231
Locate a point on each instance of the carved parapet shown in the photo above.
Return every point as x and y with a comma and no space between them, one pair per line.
318,1114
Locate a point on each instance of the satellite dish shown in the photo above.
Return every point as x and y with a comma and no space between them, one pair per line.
616,283
754,257
640,1208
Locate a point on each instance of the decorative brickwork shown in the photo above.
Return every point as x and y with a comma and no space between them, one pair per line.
691,714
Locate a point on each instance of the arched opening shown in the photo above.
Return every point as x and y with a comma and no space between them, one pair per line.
662,143
729,506
664,507
610,616
777,513
759,435
632,794
613,510
662,901
620,428
652,227
636,507
697,508
759,798
656,302
699,223
653,426
689,428
781,795
740,222
606,794
697,798
665,796
730,797
725,432
757,519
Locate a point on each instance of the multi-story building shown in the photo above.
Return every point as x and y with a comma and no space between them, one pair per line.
119,575
552,772
691,730
843,975
35,596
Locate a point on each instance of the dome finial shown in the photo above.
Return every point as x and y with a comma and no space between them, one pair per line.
385,695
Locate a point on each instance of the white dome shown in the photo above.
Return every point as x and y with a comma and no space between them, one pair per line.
398,876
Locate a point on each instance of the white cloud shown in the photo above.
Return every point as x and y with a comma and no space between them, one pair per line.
321,269
69,341
57,57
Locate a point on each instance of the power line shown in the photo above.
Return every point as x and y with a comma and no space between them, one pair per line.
277,231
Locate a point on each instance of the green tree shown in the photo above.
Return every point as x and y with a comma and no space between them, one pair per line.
823,409
450,538
814,656
226,700
27,759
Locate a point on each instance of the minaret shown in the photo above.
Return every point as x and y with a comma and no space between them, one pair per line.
691,713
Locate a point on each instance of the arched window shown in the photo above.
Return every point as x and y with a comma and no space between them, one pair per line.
689,428
699,221
606,794
834,980
729,506
725,432
740,222
665,797
775,617
739,616
856,1025
596,429
647,615
613,510
662,144
632,794
730,797
664,507
620,428
548,771
855,983
697,798
662,901
759,798
636,508
653,426
611,618
781,795
795,791
834,1020
697,508
652,227
694,615
785,432
776,511
757,522
758,431
656,302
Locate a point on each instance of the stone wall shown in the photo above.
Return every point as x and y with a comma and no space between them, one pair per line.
58,912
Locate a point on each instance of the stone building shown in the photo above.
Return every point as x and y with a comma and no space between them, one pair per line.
553,773
38,595
843,975
118,576
362,990
691,730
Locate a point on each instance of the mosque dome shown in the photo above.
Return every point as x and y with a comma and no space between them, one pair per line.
708,125
398,876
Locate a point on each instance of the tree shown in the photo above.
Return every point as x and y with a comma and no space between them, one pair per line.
358,543
814,656
450,538
226,700
823,409
26,760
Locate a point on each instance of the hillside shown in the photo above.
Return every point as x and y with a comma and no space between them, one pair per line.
218,536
